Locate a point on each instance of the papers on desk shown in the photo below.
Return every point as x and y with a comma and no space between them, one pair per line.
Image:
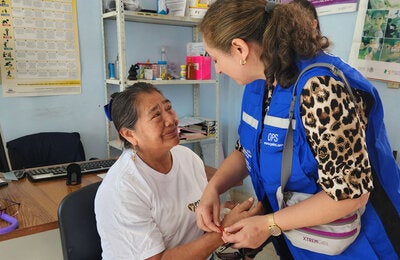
190,121
9,176
195,128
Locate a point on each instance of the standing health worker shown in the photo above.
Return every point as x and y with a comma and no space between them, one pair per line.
341,152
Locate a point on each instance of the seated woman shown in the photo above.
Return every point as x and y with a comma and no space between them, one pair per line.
142,206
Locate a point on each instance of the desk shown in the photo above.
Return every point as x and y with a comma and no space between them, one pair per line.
40,200
39,203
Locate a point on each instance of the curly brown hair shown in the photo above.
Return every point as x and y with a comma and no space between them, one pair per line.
286,33
290,35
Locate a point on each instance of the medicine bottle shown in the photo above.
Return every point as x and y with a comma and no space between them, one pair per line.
183,72
111,70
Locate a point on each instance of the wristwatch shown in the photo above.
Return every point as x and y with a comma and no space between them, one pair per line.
273,228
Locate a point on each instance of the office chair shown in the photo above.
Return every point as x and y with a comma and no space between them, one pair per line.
76,219
45,148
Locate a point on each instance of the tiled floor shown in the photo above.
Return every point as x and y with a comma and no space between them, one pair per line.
267,253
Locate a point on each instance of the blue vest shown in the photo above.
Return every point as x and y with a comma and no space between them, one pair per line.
263,154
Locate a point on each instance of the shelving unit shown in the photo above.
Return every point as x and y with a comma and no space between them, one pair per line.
122,19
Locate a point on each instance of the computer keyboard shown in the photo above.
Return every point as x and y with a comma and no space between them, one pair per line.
60,170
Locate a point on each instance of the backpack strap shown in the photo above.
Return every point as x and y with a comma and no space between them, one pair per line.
287,155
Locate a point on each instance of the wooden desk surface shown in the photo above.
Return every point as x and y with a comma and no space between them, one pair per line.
39,203
40,200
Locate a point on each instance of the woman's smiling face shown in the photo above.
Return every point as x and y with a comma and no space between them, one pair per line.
157,125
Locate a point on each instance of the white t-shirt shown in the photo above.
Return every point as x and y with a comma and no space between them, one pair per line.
141,212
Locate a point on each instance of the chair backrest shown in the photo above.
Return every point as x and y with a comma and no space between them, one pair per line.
77,223
46,148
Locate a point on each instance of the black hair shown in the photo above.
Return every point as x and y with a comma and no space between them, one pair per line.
124,110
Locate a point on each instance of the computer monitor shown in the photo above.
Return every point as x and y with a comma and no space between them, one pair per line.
5,165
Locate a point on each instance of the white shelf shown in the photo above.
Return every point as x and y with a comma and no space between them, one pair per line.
121,17
163,82
113,81
153,18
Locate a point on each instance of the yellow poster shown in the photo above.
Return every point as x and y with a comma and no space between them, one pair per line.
40,48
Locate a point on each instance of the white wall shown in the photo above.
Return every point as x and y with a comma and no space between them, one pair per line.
82,113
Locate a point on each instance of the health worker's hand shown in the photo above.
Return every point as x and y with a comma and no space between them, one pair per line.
247,233
242,211
207,213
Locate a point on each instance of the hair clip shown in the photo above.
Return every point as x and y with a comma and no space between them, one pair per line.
269,6
107,110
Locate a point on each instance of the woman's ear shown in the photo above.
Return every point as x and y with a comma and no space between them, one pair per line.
240,47
129,135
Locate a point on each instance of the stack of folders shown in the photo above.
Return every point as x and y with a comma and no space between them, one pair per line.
196,127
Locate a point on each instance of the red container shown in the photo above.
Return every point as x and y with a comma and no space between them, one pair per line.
198,67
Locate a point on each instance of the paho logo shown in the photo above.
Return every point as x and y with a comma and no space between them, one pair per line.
273,140
273,137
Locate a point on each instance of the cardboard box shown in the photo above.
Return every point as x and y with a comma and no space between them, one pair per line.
198,67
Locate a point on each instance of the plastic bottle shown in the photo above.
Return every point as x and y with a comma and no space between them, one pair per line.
162,68
163,64
111,70
116,68
163,54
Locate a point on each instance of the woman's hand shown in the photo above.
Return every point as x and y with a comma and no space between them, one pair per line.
231,172
242,211
249,232
207,213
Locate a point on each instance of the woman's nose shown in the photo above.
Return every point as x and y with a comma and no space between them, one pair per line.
171,119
